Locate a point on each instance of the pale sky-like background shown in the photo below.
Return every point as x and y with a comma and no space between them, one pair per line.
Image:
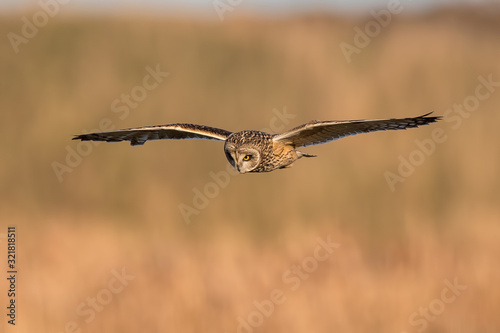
206,7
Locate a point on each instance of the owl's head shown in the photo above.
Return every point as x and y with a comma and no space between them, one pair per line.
243,158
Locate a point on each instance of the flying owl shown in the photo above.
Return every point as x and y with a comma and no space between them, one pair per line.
256,151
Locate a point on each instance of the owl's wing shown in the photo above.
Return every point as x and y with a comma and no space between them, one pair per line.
317,132
139,135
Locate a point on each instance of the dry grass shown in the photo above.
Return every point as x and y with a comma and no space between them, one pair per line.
120,206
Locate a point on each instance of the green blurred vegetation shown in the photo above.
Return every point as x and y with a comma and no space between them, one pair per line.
120,205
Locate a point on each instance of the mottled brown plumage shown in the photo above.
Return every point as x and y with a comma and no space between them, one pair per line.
255,151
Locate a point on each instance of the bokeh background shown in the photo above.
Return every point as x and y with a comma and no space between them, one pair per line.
115,208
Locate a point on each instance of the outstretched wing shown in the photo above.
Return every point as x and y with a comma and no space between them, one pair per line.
139,135
317,132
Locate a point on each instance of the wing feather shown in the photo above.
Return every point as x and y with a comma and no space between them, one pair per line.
318,132
139,135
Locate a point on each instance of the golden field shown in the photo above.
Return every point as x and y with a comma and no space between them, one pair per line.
248,254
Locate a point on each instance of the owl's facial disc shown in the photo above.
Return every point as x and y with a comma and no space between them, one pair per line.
247,159
243,159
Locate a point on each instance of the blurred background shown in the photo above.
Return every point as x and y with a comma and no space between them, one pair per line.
162,238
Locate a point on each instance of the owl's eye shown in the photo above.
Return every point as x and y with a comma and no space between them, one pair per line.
247,158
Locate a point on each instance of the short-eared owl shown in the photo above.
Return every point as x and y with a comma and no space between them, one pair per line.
255,151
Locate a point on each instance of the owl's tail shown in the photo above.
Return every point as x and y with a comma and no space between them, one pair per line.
301,154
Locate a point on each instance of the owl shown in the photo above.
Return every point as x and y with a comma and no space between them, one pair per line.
256,151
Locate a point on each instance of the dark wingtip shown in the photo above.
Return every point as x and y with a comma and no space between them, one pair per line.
78,137
84,137
429,119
